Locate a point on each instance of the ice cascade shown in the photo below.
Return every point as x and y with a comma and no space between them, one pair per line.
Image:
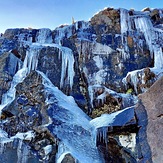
67,67
125,27
151,34
74,129
30,63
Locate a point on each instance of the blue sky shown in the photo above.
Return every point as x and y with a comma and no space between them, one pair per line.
52,13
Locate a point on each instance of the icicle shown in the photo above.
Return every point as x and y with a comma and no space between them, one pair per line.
102,134
125,27
144,25
22,152
30,63
31,59
161,13
102,98
67,66
125,21
158,58
151,35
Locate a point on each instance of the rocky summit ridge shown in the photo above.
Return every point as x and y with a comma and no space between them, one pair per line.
86,92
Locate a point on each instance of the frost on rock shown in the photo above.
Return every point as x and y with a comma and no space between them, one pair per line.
13,63
62,32
88,48
98,51
119,118
126,99
101,49
44,36
66,31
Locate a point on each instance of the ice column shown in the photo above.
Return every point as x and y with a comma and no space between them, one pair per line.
31,59
144,25
125,21
125,26
22,152
67,67
151,35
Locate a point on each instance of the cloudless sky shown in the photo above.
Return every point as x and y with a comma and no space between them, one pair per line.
52,13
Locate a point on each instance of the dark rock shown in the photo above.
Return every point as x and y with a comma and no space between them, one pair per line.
22,100
68,159
9,64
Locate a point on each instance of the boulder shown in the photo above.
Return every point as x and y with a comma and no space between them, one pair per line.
149,114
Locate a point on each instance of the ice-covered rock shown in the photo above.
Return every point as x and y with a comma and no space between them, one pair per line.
103,64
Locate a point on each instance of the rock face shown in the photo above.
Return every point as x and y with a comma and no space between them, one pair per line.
101,67
9,64
152,103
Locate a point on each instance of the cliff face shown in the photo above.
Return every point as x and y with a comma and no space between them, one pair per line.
101,66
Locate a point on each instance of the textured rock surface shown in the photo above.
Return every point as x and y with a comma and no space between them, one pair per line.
9,64
103,64
153,104
28,113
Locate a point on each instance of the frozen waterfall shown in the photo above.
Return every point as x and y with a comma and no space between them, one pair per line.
144,25
30,63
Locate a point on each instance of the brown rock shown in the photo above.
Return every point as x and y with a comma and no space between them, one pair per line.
109,17
154,12
130,41
153,103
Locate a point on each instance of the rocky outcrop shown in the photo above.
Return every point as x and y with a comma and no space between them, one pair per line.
109,18
28,113
149,113
9,65
104,64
